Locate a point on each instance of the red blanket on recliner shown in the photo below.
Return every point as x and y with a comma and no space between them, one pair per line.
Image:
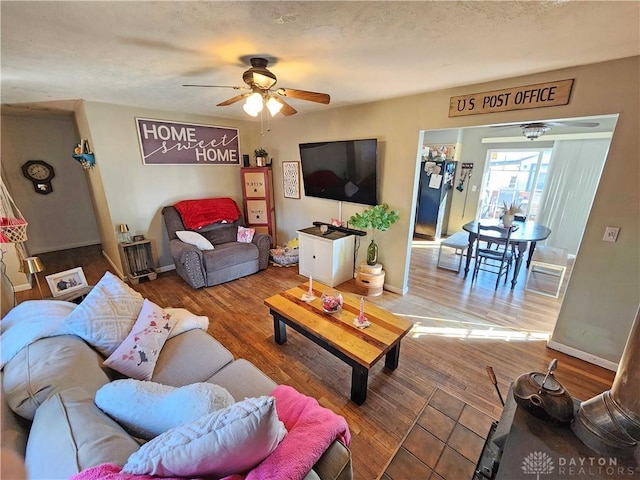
198,213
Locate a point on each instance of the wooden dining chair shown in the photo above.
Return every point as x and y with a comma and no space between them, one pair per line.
497,256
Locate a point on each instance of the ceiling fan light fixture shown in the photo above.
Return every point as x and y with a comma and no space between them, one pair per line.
534,130
250,111
253,105
274,106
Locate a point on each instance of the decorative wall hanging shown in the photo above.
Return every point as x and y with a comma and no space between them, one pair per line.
291,178
171,143
465,173
539,95
82,153
40,173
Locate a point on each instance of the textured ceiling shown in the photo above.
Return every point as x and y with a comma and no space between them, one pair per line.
140,53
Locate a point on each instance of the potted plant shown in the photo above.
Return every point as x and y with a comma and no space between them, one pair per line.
509,212
374,218
261,156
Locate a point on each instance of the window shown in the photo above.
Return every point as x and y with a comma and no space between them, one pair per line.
514,176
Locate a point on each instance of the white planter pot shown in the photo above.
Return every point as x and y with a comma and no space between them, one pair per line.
507,219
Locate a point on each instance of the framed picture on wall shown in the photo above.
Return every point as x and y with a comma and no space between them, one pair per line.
65,282
291,178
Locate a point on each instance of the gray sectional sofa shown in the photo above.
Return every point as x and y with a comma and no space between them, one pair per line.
58,428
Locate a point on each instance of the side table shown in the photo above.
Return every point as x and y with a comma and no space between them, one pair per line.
137,260
370,279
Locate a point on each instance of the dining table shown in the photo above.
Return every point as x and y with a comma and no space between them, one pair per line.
523,235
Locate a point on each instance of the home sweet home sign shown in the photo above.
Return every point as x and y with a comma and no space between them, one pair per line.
172,143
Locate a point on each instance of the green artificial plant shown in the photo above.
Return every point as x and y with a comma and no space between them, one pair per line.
374,218
260,152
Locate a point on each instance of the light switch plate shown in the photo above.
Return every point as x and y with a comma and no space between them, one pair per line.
611,234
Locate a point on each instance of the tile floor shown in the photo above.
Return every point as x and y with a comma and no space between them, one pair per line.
444,444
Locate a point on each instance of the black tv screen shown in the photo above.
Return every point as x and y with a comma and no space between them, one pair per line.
343,170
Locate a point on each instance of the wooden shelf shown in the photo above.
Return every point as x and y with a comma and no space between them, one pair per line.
259,205
137,261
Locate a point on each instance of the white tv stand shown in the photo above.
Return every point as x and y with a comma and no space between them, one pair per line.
327,257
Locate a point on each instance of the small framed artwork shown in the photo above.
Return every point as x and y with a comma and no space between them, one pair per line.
65,282
291,178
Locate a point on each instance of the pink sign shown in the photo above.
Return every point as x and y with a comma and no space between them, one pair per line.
171,143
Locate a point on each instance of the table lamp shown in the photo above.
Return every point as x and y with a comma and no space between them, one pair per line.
33,265
123,232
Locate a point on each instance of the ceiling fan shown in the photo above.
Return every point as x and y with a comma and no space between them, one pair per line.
537,129
260,81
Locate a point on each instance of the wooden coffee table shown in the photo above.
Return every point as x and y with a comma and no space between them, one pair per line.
336,333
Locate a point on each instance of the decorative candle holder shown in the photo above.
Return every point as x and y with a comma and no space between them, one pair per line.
308,296
361,321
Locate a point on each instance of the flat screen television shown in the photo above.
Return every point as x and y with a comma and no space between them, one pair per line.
344,170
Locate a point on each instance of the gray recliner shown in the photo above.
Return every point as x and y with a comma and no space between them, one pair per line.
229,259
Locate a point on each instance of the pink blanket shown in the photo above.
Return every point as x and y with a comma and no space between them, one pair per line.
311,429
196,214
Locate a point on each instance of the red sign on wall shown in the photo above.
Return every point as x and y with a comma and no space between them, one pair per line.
171,143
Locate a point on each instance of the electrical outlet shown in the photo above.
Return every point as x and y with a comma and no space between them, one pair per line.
611,234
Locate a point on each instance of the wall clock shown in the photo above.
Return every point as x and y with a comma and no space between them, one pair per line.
40,173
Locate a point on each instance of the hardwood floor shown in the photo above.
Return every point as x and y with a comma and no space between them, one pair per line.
459,329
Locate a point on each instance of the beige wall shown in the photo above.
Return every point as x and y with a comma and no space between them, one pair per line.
604,291
126,191
63,218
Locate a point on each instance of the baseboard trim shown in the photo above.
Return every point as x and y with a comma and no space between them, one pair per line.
113,265
22,287
166,268
399,291
70,246
587,357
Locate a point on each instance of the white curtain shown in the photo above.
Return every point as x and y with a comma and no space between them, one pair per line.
572,180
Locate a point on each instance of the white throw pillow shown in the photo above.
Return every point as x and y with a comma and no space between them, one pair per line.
185,321
106,315
138,353
194,238
232,440
148,409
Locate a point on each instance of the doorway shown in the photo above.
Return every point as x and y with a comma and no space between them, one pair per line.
532,184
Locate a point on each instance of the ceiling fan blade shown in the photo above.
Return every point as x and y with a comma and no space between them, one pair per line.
286,109
304,95
215,86
232,100
574,124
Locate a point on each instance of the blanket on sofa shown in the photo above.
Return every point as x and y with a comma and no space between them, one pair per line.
196,214
308,424
32,320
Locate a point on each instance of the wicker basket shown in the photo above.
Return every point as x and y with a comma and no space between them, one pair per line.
15,231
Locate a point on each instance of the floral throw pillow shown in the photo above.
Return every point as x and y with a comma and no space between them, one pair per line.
137,355
245,235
